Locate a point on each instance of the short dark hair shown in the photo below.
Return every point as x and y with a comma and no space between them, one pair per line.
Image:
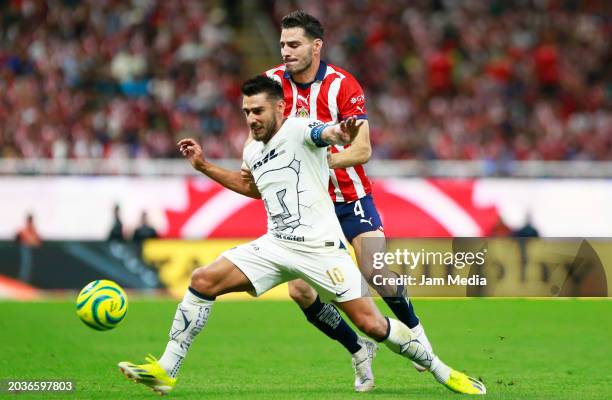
262,84
299,19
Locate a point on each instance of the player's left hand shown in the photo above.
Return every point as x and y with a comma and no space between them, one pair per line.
247,176
349,128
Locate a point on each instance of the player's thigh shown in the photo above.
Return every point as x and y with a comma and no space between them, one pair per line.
366,244
333,274
259,262
366,316
220,277
301,292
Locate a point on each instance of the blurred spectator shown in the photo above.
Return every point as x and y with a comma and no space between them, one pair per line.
527,230
28,235
500,229
28,239
116,232
144,230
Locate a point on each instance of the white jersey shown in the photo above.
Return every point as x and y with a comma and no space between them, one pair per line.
292,175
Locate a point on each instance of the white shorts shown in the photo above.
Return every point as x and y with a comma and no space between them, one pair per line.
267,263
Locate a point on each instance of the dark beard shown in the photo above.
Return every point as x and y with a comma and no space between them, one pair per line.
270,129
302,69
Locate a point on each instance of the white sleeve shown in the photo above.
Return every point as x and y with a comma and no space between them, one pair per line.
311,131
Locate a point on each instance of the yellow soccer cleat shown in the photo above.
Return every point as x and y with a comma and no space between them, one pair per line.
150,374
461,383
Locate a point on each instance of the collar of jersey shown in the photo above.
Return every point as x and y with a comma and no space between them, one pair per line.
318,77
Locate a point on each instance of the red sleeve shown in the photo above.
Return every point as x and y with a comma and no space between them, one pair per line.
351,100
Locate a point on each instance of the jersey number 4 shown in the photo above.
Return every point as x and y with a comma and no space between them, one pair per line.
358,210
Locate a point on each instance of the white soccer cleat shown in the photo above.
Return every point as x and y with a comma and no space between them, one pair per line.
362,364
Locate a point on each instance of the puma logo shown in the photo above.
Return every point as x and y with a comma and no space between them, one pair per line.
367,221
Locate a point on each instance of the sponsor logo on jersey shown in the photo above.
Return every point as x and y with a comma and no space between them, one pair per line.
285,236
272,154
357,99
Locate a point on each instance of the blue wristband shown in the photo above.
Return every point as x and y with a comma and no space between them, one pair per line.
316,133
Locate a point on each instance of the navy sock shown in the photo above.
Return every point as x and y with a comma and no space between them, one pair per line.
402,308
329,321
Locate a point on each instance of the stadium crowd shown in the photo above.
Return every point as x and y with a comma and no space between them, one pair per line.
116,78
496,80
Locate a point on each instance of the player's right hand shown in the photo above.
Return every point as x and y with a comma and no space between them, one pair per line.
349,128
191,150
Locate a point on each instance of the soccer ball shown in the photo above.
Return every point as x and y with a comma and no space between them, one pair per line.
102,304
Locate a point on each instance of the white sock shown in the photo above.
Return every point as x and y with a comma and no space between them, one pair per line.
191,316
419,333
403,341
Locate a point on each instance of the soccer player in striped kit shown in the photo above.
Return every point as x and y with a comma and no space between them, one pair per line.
325,92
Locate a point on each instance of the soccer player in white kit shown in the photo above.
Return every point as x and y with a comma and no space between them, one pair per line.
288,161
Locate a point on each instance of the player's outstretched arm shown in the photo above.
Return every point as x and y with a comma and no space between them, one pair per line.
233,180
359,152
343,133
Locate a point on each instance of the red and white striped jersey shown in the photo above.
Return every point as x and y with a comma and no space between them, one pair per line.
333,96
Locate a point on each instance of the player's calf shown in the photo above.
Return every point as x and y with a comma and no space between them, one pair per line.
375,326
302,293
366,317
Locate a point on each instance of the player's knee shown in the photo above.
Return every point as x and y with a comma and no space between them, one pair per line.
301,293
202,282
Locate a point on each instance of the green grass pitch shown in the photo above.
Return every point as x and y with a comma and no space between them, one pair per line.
521,349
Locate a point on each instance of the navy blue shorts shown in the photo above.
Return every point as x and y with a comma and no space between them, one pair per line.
357,217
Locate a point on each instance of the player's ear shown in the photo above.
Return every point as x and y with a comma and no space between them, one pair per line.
317,45
280,106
